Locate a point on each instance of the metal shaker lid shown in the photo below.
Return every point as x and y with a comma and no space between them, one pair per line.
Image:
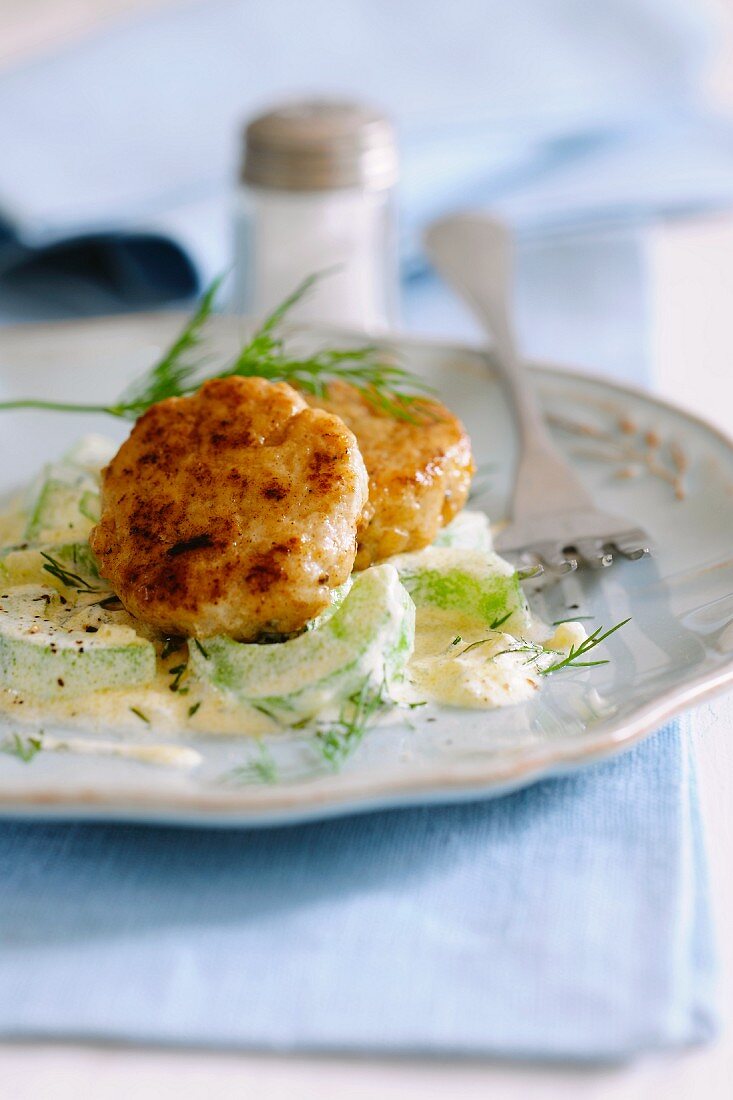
320,144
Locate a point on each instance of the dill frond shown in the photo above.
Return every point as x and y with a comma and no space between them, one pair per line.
339,740
582,650
70,580
385,385
260,768
173,374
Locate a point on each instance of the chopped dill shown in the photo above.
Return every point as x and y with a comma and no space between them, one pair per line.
70,580
573,619
25,748
500,622
585,647
338,740
143,717
268,713
177,672
457,640
201,649
193,708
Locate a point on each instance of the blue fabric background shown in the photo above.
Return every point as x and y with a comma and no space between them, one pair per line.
566,921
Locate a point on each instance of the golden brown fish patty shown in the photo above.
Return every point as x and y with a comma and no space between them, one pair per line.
419,473
233,511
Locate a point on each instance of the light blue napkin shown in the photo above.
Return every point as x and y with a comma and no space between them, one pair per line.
566,921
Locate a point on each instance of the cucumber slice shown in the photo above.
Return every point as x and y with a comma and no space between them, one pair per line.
473,582
42,656
368,639
90,506
338,595
61,504
468,531
64,502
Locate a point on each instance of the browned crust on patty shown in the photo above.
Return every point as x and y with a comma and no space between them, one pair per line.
419,473
232,511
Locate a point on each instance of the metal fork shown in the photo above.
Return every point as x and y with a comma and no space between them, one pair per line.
554,520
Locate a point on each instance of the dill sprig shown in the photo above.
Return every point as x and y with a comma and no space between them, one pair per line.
338,740
260,768
494,626
173,374
70,580
585,647
25,748
571,660
385,386
382,383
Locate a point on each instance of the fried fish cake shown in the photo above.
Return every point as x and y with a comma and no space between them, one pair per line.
233,511
419,471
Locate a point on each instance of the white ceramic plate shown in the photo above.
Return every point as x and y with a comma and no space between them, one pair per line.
657,465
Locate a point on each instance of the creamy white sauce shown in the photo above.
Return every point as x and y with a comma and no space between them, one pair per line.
164,711
458,661
171,756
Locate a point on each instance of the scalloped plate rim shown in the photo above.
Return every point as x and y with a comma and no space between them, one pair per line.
501,777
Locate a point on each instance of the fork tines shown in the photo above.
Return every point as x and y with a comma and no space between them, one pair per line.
595,553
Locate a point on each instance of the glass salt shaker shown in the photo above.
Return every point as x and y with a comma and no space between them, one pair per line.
317,193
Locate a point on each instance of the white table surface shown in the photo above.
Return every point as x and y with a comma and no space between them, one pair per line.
691,269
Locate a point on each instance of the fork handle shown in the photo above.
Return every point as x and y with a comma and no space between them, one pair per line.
473,254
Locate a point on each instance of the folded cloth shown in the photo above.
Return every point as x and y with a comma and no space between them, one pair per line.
565,921
550,111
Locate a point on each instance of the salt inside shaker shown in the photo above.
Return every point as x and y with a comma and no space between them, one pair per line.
317,193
